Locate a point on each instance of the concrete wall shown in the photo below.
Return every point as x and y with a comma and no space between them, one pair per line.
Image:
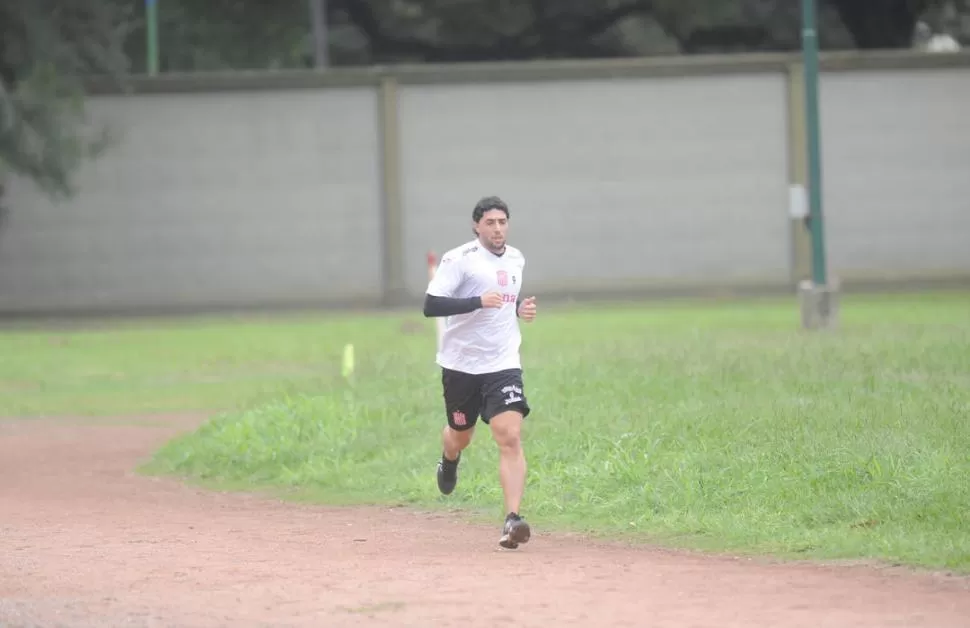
635,175
210,199
896,154
612,184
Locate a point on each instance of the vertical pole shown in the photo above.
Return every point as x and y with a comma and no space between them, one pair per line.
318,24
820,303
810,59
392,211
151,29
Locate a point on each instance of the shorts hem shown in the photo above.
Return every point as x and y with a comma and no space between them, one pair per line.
519,407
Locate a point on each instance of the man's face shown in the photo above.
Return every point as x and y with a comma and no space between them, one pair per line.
492,228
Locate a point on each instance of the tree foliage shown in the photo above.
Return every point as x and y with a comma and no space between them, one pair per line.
206,35
471,30
235,34
46,48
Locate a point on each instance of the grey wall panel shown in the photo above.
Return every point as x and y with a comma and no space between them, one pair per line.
209,199
611,182
896,172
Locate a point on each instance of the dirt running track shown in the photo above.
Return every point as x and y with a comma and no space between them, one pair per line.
85,542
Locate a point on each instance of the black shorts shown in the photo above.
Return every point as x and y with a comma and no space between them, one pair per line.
469,396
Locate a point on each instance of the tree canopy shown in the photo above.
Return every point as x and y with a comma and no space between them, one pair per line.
46,48
225,34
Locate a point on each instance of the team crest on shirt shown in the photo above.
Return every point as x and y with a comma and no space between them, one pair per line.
503,278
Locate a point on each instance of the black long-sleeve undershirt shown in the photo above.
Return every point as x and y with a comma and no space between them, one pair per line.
435,306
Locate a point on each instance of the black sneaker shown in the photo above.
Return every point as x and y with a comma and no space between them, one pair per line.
448,474
515,532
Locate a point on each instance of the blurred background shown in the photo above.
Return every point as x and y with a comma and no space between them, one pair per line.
185,155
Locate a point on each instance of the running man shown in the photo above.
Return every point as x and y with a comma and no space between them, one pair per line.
477,288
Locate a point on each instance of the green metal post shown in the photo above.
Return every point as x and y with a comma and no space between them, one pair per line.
810,60
151,28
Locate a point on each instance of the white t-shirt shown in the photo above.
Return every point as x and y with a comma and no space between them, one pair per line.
488,339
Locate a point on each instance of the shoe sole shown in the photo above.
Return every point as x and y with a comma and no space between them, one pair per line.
519,535
445,490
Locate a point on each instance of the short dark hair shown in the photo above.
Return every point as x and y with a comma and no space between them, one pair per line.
487,203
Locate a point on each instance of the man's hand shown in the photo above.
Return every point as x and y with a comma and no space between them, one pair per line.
527,309
492,299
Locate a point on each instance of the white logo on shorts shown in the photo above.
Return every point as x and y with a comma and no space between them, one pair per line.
512,394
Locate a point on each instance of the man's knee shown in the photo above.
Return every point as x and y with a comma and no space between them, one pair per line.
507,429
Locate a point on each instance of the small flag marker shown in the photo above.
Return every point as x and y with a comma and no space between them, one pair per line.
347,368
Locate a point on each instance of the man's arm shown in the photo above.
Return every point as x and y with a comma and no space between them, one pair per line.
439,300
449,306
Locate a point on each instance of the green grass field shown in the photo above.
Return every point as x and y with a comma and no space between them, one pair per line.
709,425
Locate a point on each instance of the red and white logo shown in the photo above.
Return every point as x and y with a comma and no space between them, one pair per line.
503,278
459,418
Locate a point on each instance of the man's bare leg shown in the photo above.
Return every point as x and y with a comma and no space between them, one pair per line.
507,430
453,442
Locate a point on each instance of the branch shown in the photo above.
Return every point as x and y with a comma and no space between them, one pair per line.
361,14
597,24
